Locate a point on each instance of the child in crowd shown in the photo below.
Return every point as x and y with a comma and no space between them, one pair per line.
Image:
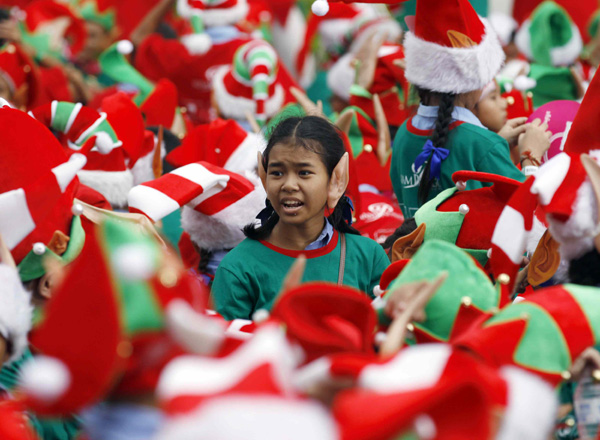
450,58
304,170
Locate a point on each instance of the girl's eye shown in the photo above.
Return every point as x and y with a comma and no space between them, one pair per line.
305,173
275,173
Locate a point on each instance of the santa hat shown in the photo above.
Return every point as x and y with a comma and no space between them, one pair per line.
37,186
433,391
467,218
40,12
218,203
564,193
19,72
200,394
450,49
250,83
543,334
223,143
325,319
121,315
466,295
549,36
106,146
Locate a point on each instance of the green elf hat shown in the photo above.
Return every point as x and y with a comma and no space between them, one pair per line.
544,333
158,101
122,316
552,84
467,293
90,11
593,24
549,36
464,217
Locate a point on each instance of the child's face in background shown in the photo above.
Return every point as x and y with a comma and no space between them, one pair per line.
491,110
296,184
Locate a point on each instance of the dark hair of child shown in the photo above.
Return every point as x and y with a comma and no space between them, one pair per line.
314,134
440,132
584,270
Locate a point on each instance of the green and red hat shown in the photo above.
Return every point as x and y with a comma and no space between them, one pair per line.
466,295
121,315
543,334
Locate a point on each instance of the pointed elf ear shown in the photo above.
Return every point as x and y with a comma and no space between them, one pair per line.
593,171
262,173
545,260
338,182
405,247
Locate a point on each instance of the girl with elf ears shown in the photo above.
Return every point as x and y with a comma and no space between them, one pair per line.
451,55
304,170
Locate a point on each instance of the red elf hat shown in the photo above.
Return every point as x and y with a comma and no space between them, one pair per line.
223,143
326,319
450,49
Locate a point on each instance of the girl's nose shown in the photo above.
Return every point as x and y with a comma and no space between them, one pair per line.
290,184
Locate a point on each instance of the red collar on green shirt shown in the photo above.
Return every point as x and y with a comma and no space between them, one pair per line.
414,130
308,254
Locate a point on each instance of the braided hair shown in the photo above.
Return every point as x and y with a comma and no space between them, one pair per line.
439,136
320,136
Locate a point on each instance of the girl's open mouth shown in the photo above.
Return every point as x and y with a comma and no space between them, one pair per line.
291,207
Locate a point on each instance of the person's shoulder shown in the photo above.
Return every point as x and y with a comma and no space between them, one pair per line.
364,243
478,132
239,253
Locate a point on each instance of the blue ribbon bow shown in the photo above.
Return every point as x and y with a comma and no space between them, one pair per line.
347,211
437,156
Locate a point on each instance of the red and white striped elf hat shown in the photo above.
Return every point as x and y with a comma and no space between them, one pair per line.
250,83
204,187
206,397
564,193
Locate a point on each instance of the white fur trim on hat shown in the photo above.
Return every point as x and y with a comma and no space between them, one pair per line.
504,25
531,407
223,230
389,28
197,44
142,169
114,185
235,106
561,56
215,16
15,310
239,417
341,77
453,70
244,158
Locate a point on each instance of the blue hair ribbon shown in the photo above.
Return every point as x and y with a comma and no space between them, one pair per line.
347,210
437,155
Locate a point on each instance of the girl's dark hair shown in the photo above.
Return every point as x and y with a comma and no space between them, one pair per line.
584,270
439,136
315,134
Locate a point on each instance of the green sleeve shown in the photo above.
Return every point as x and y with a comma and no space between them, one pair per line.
231,295
395,177
497,161
381,262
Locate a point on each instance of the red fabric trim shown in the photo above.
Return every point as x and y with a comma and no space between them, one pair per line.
414,130
315,253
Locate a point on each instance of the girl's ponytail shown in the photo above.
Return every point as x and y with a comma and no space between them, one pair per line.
341,217
438,139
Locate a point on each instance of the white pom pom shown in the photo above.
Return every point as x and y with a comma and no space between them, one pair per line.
124,47
489,253
461,185
39,248
463,209
197,44
261,315
320,7
425,427
77,209
380,338
104,143
523,82
134,262
378,291
44,378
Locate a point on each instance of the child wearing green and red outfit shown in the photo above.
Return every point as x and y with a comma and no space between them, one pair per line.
450,57
304,172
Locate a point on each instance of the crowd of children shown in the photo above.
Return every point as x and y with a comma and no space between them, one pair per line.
299,219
